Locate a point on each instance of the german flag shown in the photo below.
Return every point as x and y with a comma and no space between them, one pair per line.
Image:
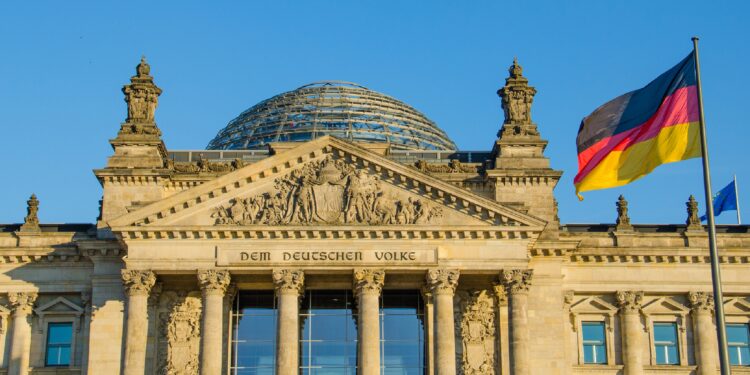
626,138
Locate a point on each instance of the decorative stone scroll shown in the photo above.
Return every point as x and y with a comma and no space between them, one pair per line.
288,281
368,280
179,333
477,333
214,281
327,192
517,280
629,301
453,166
205,166
138,282
442,281
22,303
701,301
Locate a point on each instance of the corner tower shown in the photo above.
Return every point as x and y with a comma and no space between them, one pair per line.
520,173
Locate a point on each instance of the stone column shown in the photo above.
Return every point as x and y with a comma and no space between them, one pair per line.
442,283
503,355
213,285
138,285
289,285
632,338
517,283
368,283
706,347
21,304
429,330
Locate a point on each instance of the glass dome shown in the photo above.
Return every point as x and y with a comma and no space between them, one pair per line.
342,109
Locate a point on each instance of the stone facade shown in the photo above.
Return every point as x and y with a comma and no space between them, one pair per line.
506,288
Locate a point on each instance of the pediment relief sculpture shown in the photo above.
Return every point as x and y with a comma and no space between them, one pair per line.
327,191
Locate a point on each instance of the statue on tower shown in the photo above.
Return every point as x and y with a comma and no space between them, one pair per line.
142,97
517,97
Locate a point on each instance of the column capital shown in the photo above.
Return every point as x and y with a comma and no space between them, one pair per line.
701,302
516,280
426,294
442,281
501,295
288,281
629,301
138,282
214,281
368,281
22,303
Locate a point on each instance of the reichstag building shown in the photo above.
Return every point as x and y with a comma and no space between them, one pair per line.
335,230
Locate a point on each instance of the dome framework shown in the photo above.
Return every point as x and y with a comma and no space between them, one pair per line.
341,109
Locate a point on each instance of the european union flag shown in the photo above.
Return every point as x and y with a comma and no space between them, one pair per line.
724,200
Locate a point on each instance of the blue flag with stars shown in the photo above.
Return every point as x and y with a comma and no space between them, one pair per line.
724,200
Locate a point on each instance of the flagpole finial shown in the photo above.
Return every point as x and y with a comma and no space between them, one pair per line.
695,38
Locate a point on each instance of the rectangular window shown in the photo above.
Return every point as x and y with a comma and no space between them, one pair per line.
594,343
328,324
402,337
665,344
254,333
738,340
59,341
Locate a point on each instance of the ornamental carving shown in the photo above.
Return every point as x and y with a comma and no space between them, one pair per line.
138,282
442,281
701,301
623,219
477,334
31,221
327,192
516,281
22,303
454,166
214,281
142,95
205,166
367,280
629,301
693,221
288,281
179,333
517,97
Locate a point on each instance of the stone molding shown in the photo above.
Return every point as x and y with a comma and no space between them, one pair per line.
501,295
22,303
442,281
214,281
138,282
701,302
516,280
368,281
629,301
289,281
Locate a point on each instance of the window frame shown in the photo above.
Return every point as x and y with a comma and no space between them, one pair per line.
737,311
594,309
583,343
654,357
45,338
74,315
666,310
747,325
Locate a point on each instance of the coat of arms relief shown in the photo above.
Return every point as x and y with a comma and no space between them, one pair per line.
179,315
476,330
328,191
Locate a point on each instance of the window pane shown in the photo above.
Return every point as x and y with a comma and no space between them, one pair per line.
737,334
59,340
329,333
402,337
665,333
601,354
593,332
738,338
254,333
59,333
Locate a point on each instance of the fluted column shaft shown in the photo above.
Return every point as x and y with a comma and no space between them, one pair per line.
213,285
368,284
137,285
517,283
702,305
22,304
442,283
632,340
289,285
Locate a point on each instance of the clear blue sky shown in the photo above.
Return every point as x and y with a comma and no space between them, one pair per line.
62,65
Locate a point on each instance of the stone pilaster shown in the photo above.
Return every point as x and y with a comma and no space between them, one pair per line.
503,337
429,328
289,285
517,283
86,328
368,284
213,284
629,303
706,347
138,286
22,304
442,283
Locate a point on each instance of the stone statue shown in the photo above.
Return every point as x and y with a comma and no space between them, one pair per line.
517,97
31,221
142,97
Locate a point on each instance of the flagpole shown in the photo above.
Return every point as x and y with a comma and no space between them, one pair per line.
715,270
737,200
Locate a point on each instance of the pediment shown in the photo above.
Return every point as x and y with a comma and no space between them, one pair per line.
737,306
57,306
592,305
664,306
327,183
